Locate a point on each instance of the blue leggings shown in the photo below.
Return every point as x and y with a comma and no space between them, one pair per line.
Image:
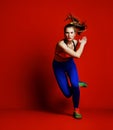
63,71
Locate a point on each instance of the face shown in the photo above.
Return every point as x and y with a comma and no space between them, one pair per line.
70,33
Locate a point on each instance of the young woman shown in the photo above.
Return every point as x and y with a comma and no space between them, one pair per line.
63,63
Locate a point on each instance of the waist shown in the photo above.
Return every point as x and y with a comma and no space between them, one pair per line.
62,57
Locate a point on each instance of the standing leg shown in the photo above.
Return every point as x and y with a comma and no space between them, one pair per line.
74,80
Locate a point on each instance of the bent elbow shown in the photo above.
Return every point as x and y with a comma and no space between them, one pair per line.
78,56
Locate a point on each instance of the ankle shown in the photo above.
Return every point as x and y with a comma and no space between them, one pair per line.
77,110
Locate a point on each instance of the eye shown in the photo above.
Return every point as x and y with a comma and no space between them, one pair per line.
66,32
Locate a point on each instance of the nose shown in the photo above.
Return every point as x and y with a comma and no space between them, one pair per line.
69,35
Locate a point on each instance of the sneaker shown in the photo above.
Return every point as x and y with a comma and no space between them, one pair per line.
82,84
76,114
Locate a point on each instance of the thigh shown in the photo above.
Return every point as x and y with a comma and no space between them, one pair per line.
73,75
62,80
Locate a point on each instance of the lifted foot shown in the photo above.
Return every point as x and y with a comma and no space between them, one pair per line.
82,84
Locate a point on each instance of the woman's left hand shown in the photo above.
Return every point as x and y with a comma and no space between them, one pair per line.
83,40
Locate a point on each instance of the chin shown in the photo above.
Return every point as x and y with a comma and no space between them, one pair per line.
70,40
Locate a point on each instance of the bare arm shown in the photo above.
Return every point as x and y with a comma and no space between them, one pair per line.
71,52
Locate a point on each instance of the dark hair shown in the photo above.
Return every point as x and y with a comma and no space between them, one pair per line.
69,26
75,23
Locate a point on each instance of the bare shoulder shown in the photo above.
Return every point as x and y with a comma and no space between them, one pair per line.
61,43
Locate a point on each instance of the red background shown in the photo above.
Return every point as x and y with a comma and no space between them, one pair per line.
29,31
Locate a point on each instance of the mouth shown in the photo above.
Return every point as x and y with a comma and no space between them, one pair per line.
69,38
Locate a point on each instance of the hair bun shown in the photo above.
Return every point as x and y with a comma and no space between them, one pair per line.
80,26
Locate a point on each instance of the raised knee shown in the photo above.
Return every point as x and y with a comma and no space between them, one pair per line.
67,95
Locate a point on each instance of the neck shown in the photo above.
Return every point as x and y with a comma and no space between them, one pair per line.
69,42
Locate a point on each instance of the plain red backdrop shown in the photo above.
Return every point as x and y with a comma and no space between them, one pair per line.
29,31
